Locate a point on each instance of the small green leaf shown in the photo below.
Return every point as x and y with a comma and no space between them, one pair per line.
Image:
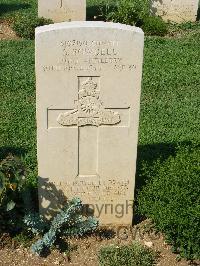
10,206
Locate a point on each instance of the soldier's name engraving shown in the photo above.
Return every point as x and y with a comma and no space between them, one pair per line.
78,55
90,51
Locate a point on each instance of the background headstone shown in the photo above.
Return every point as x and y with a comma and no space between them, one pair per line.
88,98
175,10
62,10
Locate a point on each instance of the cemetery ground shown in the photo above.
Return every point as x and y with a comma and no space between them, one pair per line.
168,150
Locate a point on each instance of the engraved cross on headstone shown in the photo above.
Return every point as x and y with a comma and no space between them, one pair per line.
88,115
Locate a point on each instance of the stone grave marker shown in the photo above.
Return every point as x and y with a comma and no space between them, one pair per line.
175,10
88,77
62,10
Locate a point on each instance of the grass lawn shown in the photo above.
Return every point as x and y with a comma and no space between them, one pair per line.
17,97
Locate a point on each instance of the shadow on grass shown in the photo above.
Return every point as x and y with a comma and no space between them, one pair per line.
5,151
148,155
92,12
7,8
98,12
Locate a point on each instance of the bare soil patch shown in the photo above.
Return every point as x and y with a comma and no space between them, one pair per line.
6,32
84,251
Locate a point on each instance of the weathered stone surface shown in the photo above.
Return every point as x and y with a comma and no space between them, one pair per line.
175,10
62,10
88,98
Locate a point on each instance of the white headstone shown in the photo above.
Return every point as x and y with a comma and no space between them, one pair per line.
175,10
62,10
88,99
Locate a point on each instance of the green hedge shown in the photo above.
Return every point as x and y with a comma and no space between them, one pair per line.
25,26
136,13
154,26
171,198
127,11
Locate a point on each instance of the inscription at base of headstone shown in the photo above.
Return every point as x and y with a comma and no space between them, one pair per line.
88,77
62,10
175,10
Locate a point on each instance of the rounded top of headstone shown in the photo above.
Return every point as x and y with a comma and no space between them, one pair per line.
87,24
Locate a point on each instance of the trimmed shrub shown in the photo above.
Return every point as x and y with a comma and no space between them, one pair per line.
25,26
154,26
128,12
135,12
171,198
132,255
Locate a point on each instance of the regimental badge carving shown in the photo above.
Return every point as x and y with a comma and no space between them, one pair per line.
89,108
